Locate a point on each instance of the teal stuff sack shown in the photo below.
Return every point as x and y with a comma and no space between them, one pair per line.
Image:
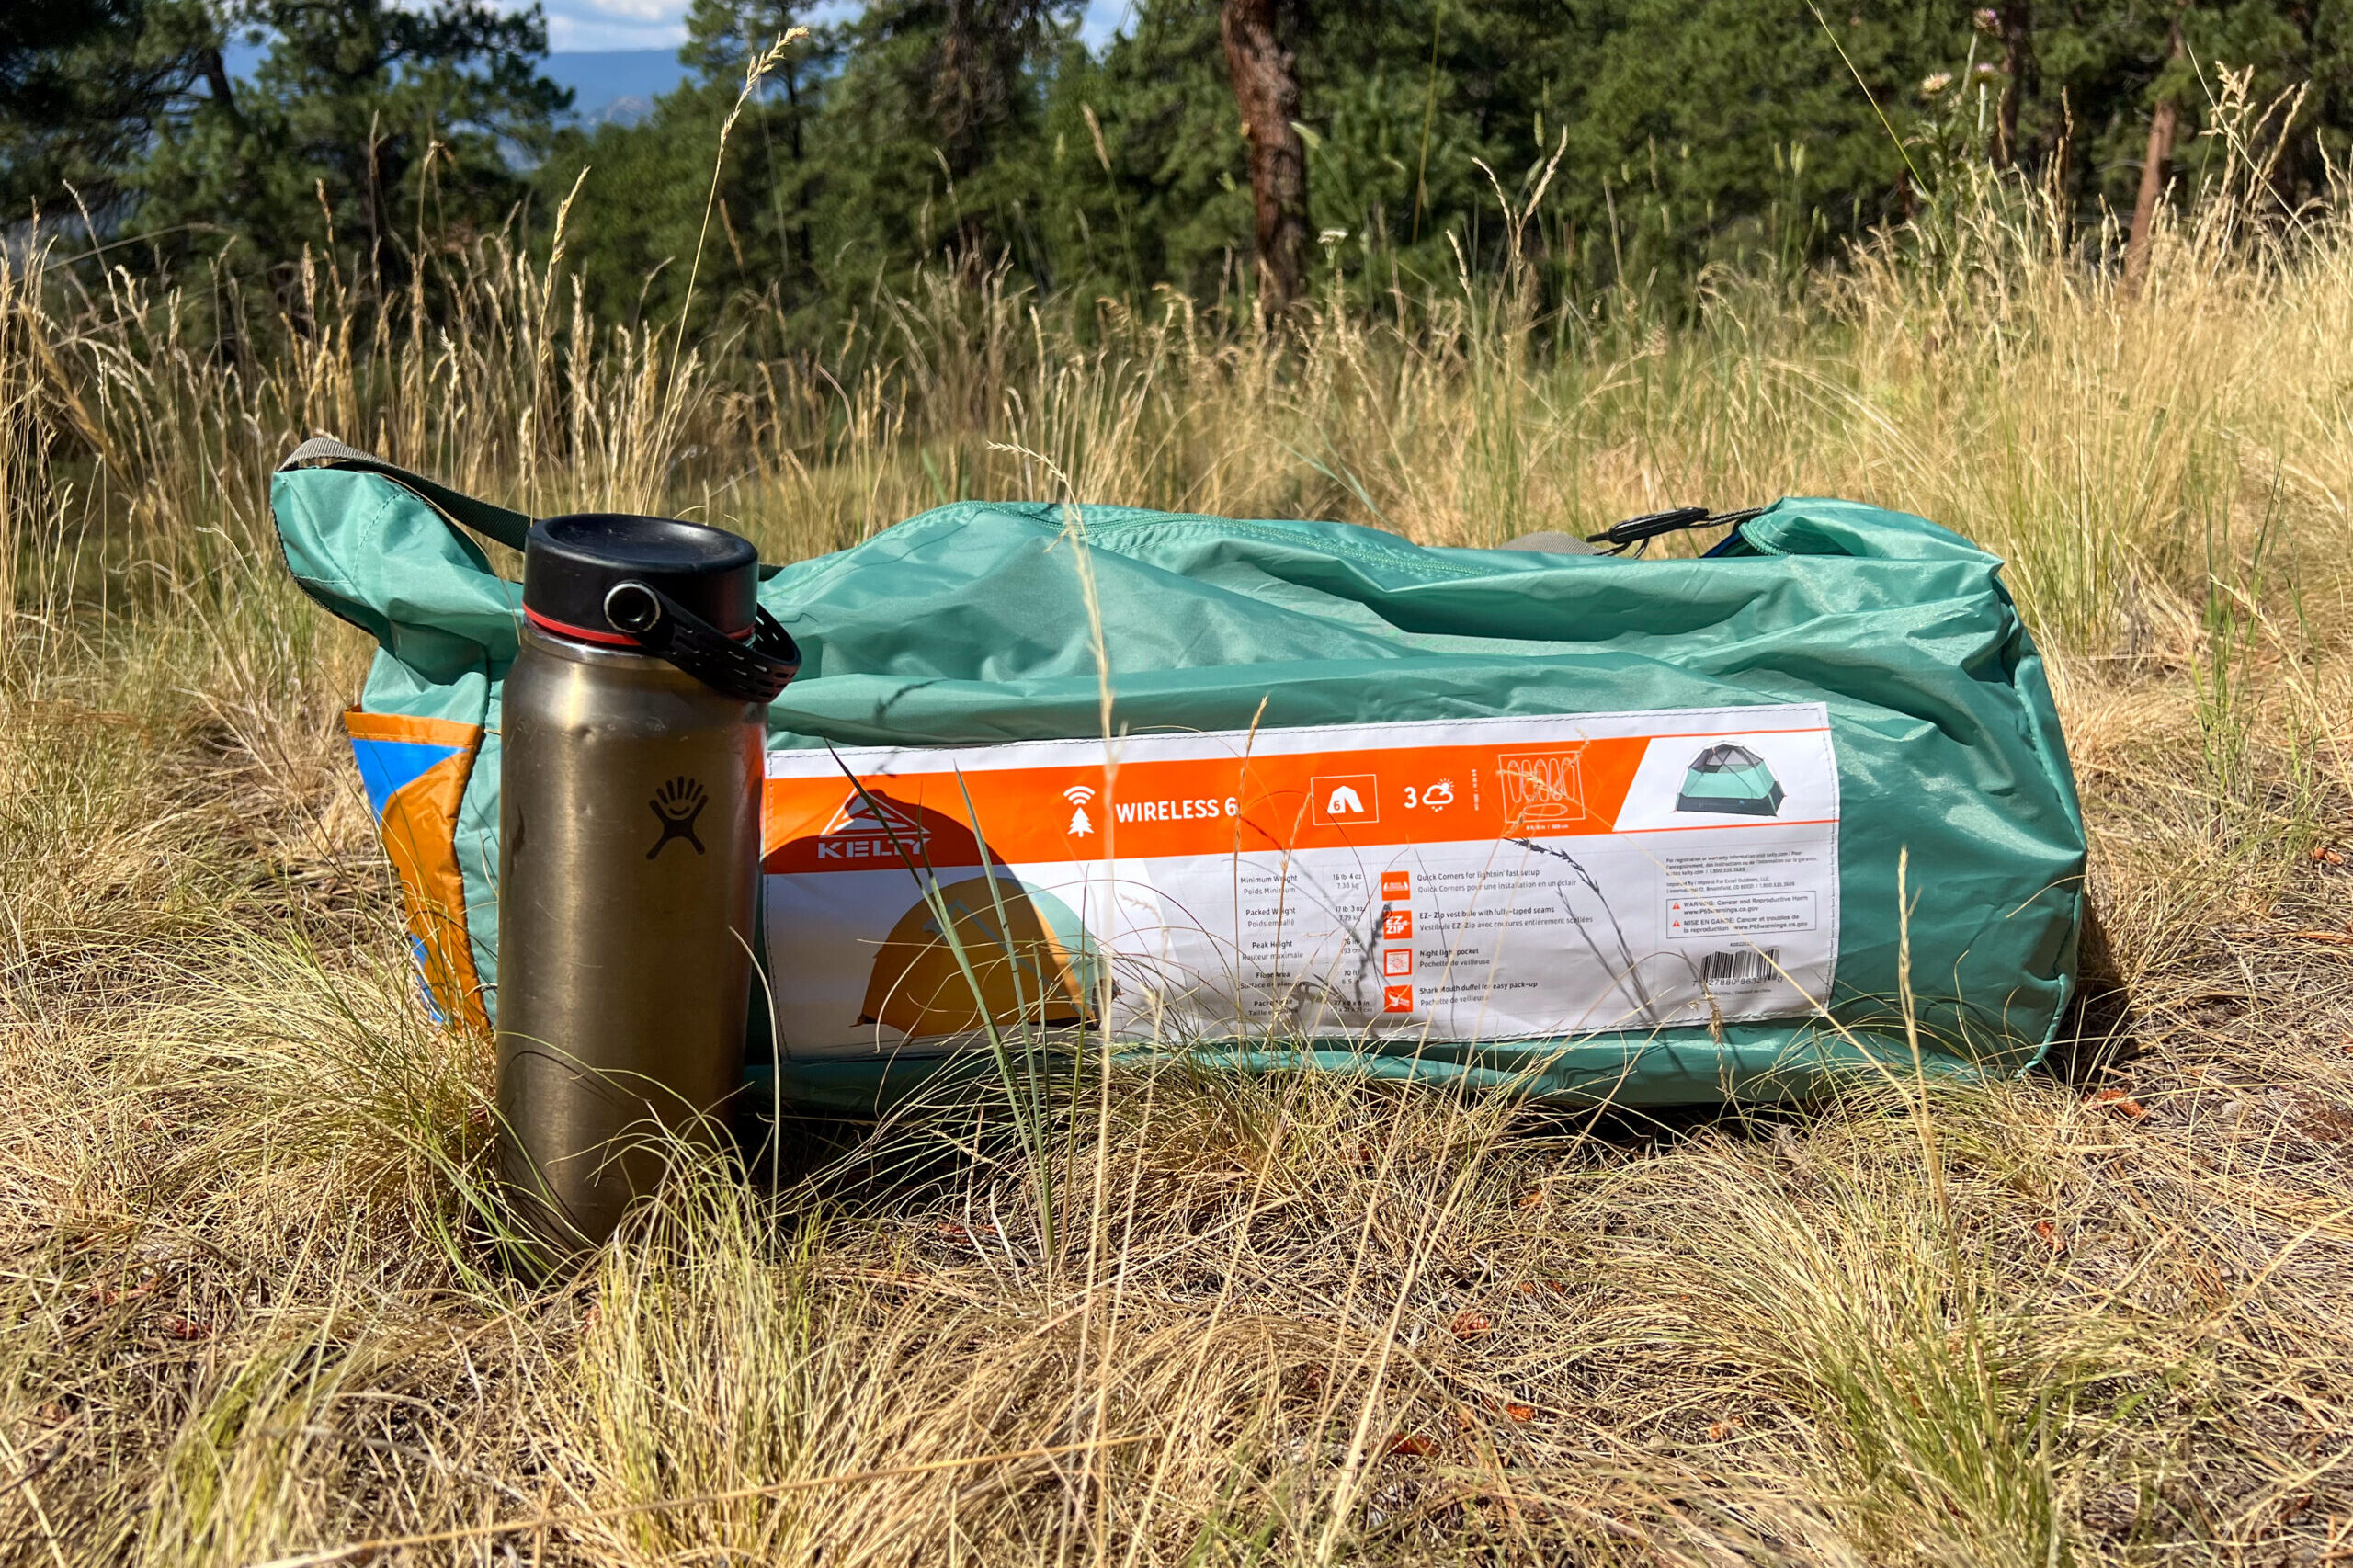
1574,826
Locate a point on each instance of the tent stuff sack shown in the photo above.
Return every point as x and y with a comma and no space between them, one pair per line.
1576,826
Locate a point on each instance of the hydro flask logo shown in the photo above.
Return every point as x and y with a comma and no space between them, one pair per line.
678,804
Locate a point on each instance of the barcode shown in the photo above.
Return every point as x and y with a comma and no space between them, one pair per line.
1746,965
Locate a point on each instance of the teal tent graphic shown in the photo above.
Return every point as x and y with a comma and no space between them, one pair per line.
1730,779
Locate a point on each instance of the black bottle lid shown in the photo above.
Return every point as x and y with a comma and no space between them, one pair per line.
573,563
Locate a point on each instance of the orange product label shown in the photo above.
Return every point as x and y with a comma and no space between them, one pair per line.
1089,809
1459,879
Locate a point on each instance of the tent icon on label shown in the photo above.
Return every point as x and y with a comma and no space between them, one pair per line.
1731,780
1339,799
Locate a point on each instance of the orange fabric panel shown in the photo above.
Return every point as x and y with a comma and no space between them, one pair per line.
418,824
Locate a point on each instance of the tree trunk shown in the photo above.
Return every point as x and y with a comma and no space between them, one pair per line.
958,91
215,71
2164,121
2017,25
1265,88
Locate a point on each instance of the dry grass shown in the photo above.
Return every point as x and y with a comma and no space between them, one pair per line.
1284,1319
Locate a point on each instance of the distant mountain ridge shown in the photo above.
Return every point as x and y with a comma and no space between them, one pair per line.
615,87
610,86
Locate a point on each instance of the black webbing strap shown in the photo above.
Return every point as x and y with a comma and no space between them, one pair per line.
492,522
1636,533
753,669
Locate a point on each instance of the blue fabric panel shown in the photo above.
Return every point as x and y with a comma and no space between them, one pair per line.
386,766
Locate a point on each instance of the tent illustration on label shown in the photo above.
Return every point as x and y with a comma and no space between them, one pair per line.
1035,964
1732,780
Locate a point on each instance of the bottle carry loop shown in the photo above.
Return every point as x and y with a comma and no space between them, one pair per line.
751,668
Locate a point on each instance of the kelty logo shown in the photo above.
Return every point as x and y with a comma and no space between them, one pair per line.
868,828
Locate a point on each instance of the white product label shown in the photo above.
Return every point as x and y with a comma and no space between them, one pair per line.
1451,879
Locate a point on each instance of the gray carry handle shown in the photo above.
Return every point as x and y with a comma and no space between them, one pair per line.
508,528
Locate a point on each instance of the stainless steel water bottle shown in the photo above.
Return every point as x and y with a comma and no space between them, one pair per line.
631,741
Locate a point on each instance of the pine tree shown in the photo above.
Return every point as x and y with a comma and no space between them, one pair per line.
86,86
366,122
648,183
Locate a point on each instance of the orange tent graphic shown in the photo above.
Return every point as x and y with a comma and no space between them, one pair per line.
1029,967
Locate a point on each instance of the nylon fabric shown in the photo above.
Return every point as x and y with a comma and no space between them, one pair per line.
974,623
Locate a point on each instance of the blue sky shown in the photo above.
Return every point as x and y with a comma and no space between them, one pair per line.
578,25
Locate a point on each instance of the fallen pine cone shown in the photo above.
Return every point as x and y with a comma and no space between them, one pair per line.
962,1235
105,1297
2120,1102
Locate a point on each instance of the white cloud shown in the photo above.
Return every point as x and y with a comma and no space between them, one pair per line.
574,26
638,12
578,25
1103,18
